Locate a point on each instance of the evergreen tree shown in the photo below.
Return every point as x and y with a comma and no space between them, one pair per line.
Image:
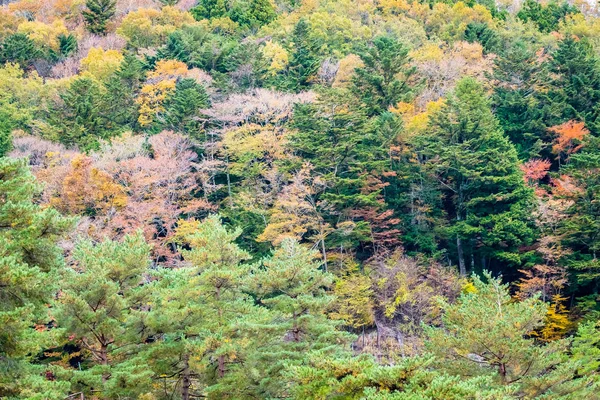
546,17
209,9
486,331
575,91
100,295
30,260
304,61
292,285
182,109
119,101
581,230
67,44
20,49
203,317
479,176
6,128
386,76
82,121
98,13
519,100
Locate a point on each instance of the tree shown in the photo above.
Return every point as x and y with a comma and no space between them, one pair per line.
487,332
81,122
182,107
477,169
6,127
546,17
98,13
304,61
100,294
575,90
216,279
30,263
18,48
292,286
386,78
519,101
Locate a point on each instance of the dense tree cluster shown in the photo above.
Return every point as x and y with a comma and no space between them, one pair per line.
299,199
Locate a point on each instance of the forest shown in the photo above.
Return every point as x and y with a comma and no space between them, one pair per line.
299,199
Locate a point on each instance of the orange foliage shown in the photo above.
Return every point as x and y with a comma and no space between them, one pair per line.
86,189
569,137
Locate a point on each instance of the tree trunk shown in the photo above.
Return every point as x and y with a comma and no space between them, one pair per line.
461,257
186,382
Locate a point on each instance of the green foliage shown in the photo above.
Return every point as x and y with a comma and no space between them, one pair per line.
482,33
82,121
575,91
30,260
68,44
304,61
248,14
100,295
546,17
119,101
520,106
386,77
6,128
480,178
488,333
182,108
98,13
19,49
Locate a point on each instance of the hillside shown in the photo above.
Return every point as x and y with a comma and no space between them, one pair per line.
299,199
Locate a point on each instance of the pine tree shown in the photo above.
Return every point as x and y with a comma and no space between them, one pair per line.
203,317
291,284
100,295
98,13
30,261
386,76
486,331
477,168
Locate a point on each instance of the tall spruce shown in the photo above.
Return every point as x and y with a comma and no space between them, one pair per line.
477,170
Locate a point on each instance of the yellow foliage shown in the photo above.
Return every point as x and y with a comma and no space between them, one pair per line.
44,35
8,23
100,64
469,288
394,6
557,323
354,300
276,55
86,187
449,23
472,52
428,52
151,99
148,27
223,25
26,7
168,69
